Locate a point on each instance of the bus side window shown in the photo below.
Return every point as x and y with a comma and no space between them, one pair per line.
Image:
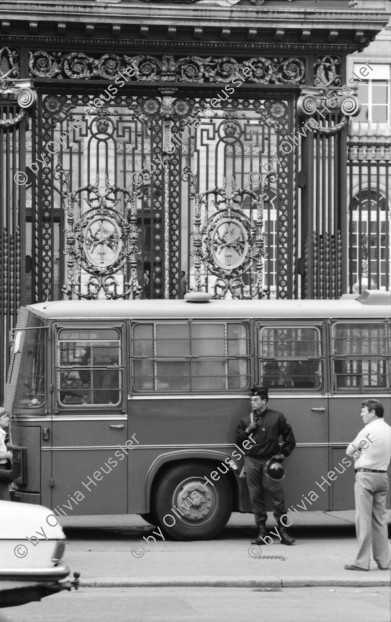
360,356
89,369
290,357
190,356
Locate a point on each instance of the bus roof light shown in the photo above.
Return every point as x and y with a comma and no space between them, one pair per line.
198,297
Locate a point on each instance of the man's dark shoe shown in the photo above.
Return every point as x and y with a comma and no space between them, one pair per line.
262,533
285,537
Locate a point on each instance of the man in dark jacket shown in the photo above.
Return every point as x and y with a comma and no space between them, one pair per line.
265,426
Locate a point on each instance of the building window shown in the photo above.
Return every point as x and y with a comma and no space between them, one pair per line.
374,94
369,240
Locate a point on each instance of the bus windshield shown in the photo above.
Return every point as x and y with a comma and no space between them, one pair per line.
27,370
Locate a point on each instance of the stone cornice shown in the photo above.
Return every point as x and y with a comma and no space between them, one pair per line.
246,27
179,46
243,16
102,13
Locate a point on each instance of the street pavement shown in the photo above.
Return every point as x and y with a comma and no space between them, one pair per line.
208,604
113,551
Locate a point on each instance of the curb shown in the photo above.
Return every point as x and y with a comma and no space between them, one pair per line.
250,582
335,582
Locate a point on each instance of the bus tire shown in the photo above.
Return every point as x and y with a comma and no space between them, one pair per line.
187,508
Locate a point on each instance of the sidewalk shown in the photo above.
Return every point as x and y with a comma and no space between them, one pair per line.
110,551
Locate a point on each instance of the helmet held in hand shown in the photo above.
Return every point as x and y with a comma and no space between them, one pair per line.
275,470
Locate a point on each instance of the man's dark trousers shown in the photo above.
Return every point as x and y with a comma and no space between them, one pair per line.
258,484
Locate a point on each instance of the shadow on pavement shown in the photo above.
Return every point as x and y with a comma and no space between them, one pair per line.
230,533
301,532
107,533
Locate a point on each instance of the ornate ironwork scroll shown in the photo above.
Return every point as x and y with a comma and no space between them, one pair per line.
189,69
101,236
226,242
326,71
9,63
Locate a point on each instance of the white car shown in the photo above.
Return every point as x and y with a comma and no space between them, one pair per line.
32,545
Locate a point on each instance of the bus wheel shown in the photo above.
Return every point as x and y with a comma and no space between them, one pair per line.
187,508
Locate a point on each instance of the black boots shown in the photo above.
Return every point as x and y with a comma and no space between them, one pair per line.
278,531
285,537
262,533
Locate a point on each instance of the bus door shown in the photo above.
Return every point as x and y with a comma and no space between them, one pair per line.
291,363
89,425
360,359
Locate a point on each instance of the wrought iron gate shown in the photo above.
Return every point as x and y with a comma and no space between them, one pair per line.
153,156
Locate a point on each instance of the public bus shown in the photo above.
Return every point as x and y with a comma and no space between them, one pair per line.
132,406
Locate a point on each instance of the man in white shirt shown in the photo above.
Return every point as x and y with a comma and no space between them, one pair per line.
371,451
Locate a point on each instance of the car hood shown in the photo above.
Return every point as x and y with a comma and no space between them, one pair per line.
21,520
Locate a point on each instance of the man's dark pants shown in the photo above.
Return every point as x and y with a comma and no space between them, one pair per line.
258,486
